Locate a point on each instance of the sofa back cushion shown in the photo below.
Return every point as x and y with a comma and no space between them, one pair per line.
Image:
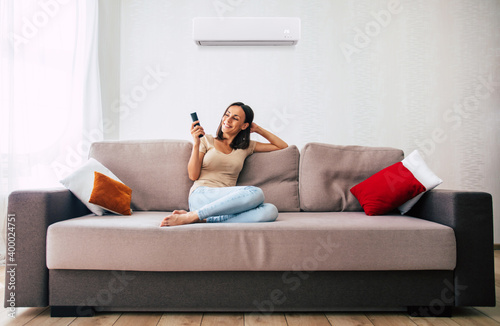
155,170
328,172
277,174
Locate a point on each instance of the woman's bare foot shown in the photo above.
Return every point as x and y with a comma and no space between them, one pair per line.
180,217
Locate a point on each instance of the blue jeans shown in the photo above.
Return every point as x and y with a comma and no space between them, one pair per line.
243,204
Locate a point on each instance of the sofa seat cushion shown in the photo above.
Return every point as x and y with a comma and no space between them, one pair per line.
295,241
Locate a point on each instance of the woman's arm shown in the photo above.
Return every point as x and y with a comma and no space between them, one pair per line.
196,159
194,165
275,143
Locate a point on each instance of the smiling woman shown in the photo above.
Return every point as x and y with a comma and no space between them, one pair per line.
237,118
215,165
49,92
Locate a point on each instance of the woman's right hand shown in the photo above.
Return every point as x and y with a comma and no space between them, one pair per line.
196,132
196,159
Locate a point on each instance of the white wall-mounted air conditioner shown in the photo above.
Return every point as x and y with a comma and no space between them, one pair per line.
246,30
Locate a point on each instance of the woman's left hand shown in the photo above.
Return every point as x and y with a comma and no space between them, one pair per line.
255,127
274,144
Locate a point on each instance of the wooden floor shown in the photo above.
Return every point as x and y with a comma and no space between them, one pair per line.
461,316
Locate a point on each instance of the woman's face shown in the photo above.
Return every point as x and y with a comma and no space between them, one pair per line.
233,120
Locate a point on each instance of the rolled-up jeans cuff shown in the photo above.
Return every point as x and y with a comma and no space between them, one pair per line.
200,216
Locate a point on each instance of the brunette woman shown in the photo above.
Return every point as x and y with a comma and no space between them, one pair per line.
215,165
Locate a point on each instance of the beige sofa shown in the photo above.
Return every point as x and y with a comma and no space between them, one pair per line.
323,253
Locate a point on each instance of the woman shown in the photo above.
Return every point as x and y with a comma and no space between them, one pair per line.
214,166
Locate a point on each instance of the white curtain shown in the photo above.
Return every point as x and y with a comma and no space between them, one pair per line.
50,107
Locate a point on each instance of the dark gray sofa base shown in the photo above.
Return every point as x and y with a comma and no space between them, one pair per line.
260,292
468,213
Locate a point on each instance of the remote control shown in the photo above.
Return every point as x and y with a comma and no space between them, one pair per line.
194,116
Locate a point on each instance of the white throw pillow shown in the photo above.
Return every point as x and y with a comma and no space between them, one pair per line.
81,182
415,163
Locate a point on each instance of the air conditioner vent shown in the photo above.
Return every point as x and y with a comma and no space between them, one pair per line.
241,31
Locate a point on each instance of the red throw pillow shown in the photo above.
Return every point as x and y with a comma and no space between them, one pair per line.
387,189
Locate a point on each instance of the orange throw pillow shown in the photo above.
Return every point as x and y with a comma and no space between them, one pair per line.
111,195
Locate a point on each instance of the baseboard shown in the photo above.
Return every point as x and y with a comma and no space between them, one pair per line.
496,246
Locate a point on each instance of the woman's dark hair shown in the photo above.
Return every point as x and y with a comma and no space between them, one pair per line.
242,139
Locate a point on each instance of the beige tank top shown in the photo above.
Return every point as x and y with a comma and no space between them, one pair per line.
219,169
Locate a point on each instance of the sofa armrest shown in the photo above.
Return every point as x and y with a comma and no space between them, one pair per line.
29,214
470,214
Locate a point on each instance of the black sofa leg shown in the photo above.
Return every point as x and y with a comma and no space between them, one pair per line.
430,311
71,311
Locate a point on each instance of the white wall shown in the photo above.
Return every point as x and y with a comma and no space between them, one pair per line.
427,78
